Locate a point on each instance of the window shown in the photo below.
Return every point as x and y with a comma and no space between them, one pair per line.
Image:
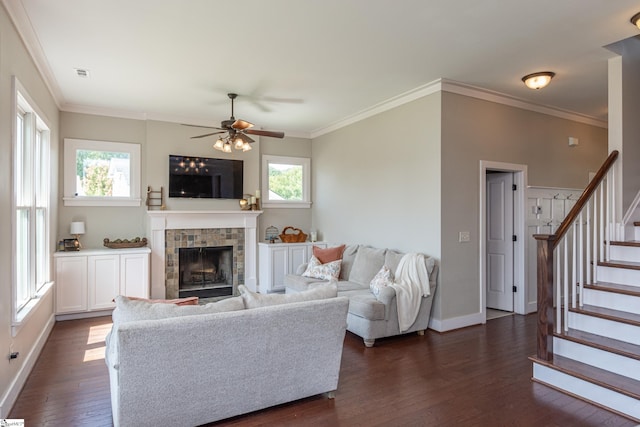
101,173
31,175
286,182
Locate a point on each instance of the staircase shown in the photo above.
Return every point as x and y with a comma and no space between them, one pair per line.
589,308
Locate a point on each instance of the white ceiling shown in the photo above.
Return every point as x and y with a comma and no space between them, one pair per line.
304,66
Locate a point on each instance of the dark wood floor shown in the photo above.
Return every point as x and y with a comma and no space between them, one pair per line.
478,376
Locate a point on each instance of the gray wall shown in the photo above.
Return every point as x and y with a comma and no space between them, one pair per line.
630,122
14,60
377,182
474,130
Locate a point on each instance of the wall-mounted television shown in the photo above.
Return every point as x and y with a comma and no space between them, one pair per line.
205,178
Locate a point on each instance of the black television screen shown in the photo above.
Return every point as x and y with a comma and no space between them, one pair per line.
201,177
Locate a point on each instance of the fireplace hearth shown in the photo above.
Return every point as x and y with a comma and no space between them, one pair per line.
205,272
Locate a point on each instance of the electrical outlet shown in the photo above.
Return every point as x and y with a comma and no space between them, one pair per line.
464,236
11,351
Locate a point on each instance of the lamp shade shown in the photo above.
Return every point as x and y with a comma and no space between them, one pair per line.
77,227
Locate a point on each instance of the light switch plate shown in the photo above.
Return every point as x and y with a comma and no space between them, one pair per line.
464,236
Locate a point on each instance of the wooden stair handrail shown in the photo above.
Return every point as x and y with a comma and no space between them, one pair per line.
586,195
546,245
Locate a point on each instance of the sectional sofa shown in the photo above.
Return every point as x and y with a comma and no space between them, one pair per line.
370,316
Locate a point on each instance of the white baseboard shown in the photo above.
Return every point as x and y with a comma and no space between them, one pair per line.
12,393
84,315
532,307
444,325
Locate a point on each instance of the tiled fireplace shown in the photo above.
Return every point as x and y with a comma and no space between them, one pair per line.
228,236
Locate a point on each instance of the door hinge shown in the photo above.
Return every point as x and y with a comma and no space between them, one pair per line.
515,289
514,187
514,238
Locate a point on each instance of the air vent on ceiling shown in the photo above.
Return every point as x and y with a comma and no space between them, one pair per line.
82,72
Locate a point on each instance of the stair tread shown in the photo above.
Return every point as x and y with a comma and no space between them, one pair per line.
630,265
601,377
615,287
633,243
607,313
622,348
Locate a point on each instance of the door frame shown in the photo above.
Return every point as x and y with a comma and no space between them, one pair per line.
519,248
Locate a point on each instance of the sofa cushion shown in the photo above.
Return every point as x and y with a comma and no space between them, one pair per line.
348,256
346,285
129,310
317,270
382,279
299,283
255,300
367,263
326,255
364,304
392,259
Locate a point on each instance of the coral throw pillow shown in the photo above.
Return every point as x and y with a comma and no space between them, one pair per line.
317,270
326,255
177,301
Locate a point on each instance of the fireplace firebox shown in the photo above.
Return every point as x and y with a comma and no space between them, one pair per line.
205,272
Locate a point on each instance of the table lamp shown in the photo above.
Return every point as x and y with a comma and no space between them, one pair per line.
76,229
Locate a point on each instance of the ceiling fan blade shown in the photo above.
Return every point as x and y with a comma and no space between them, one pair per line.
207,134
198,126
268,133
245,138
241,124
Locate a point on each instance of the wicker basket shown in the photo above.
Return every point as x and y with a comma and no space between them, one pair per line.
136,243
296,236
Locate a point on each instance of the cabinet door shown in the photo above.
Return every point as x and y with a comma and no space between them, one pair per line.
71,284
279,267
298,255
104,280
134,275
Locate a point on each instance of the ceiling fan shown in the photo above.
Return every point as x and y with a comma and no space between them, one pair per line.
237,132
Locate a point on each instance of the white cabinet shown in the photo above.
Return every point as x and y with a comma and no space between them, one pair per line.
276,260
89,280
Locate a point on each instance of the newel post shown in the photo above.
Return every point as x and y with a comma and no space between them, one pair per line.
546,243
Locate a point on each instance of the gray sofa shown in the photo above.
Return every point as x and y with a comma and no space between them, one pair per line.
205,363
370,316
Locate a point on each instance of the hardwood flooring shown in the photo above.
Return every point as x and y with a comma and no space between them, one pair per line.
477,376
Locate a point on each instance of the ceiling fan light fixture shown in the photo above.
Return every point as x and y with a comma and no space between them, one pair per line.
246,147
635,20
538,80
238,143
227,147
219,145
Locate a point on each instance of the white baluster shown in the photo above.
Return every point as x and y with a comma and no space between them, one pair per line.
566,282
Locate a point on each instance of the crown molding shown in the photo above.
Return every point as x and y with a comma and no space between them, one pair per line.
30,40
452,86
396,101
512,101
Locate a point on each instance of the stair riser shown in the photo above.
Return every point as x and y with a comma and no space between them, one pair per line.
602,359
600,395
622,276
612,300
624,253
606,328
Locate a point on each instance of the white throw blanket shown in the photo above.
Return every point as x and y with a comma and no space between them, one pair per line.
411,284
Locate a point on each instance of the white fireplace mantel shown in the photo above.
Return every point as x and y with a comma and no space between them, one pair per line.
160,221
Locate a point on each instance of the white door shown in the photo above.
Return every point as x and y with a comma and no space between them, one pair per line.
500,241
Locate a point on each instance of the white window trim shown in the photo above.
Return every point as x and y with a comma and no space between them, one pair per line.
305,162
21,101
70,148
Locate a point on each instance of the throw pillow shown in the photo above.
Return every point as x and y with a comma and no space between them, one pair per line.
177,301
255,300
317,270
382,279
326,255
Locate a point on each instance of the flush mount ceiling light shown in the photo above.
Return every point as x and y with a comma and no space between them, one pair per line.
538,80
635,20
